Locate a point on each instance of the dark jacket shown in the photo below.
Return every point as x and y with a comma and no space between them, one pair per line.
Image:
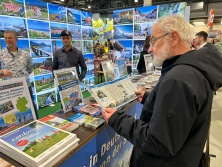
174,122
141,67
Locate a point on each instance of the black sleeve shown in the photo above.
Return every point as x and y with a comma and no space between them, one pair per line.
173,116
55,62
83,67
146,94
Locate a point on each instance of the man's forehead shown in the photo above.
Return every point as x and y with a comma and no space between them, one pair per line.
156,30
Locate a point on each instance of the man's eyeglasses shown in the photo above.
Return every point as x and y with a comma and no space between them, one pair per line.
153,41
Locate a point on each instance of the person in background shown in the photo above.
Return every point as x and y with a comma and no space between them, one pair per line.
174,122
141,67
68,56
218,43
110,45
14,62
193,45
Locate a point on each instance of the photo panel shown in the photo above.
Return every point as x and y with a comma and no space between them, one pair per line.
135,60
145,14
123,16
13,23
87,32
91,81
86,18
44,82
46,99
73,16
75,31
90,72
38,29
36,9
42,66
40,48
77,44
22,44
138,46
57,13
12,8
87,46
172,8
89,59
123,32
56,44
142,30
56,29
32,83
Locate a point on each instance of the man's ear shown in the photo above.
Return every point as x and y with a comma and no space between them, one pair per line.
175,38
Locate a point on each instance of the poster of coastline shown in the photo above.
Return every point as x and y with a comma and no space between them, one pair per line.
46,99
75,31
89,59
87,46
86,18
40,48
12,8
56,29
38,29
122,49
123,32
172,8
73,16
57,13
138,46
16,107
77,44
36,9
13,23
145,14
123,16
22,44
44,82
87,32
42,66
142,30
56,44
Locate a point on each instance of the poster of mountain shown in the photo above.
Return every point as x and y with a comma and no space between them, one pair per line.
145,14
12,8
89,59
22,44
38,29
87,46
44,82
138,46
123,31
45,99
36,9
56,29
123,16
142,30
42,66
75,31
73,16
15,105
56,44
86,18
57,13
77,44
40,48
172,8
13,23
87,32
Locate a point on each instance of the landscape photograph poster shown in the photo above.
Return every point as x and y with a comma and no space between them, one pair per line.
121,64
44,82
86,18
138,46
56,44
142,30
172,8
123,16
123,31
73,16
38,29
40,48
87,32
45,99
89,59
69,87
56,29
75,31
77,44
12,8
22,44
145,14
12,23
87,46
57,13
42,66
16,107
36,9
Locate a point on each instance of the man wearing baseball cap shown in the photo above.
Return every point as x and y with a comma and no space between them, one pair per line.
68,56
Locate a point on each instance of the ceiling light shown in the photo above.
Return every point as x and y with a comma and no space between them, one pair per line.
89,6
221,22
135,0
199,23
62,0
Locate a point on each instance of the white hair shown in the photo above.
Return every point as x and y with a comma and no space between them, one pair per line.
177,23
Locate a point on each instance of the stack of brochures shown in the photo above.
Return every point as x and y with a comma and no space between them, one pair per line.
87,109
38,144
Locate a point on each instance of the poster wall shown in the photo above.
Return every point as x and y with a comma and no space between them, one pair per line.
38,25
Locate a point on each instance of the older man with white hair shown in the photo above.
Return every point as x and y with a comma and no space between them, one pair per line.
218,43
174,123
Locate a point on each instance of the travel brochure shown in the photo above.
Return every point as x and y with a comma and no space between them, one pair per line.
16,107
108,69
115,93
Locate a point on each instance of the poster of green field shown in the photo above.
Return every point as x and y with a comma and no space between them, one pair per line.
44,82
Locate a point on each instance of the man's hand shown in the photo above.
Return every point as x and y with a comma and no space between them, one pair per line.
7,73
140,93
107,113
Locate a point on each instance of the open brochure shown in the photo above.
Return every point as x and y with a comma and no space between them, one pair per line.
114,94
69,87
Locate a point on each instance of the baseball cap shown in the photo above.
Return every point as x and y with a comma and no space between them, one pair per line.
66,33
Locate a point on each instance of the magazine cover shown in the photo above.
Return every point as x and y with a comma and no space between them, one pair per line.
36,141
16,107
69,87
59,123
108,69
4,163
